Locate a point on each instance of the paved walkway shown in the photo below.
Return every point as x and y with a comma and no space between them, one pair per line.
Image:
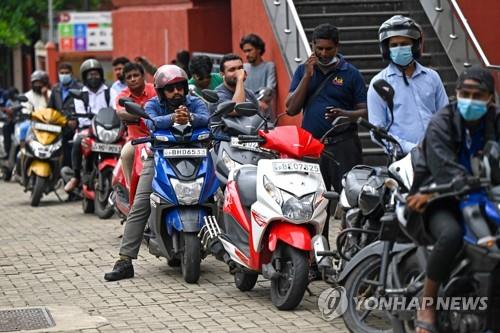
55,255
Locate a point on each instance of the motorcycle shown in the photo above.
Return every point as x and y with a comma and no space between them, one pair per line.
271,212
41,156
184,186
8,165
101,147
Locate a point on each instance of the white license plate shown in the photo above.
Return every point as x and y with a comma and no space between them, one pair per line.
106,148
295,167
235,143
47,127
184,152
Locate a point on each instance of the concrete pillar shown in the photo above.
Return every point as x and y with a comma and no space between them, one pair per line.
51,59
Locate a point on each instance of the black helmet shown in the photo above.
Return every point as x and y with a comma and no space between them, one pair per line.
40,75
399,25
90,64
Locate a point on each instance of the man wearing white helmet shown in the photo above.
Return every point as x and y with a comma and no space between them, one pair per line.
38,96
171,105
419,92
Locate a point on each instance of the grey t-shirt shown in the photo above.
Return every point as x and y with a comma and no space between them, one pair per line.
261,76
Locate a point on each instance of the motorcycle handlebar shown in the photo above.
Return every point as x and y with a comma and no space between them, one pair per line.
456,185
381,132
141,140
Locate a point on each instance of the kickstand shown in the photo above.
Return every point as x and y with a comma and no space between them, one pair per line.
58,196
309,291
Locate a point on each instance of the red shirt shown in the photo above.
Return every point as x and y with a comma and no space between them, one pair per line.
136,130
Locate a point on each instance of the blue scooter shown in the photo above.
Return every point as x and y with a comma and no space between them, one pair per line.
183,193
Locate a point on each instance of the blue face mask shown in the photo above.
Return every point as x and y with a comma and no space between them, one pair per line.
65,78
401,55
471,109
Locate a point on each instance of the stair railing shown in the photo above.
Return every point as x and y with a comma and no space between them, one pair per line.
289,32
458,39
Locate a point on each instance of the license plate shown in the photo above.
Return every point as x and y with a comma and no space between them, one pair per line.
184,152
295,167
253,146
106,148
47,127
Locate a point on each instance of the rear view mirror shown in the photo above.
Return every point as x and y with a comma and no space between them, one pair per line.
209,95
136,110
81,95
21,98
385,91
246,109
123,100
224,108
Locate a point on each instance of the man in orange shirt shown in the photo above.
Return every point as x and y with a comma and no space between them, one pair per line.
139,92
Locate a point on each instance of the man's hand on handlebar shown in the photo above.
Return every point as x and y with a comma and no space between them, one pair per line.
418,201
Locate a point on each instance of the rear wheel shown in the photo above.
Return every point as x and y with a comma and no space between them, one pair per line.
245,281
191,257
38,189
293,266
101,203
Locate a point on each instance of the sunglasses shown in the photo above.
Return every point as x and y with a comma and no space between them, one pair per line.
176,86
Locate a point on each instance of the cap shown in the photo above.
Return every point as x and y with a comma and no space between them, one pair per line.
482,76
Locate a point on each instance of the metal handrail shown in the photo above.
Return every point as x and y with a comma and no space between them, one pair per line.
471,36
298,26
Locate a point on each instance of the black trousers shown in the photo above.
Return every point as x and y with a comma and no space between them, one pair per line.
76,156
445,228
347,153
8,130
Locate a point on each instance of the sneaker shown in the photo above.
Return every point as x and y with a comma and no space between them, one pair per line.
71,185
123,269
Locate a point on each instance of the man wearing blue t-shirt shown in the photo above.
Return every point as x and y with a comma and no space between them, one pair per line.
325,87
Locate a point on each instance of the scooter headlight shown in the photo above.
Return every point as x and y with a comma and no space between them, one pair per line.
273,191
44,151
188,193
228,162
299,208
107,136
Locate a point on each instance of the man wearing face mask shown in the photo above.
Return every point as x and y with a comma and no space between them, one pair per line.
61,100
171,105
325,87
419,91
38,96
100,97
455,135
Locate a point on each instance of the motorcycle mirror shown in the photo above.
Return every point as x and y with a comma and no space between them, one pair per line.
391,184
224,108
209,95
246,109
21,98
385,91
123,100
136,110
81,95
331,195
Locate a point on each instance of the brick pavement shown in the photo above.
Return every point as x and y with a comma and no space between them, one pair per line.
55,255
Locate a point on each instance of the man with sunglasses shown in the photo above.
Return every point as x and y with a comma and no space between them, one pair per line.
419,90
171,105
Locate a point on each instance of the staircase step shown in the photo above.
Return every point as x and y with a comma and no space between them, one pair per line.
354,32
323,7
348,18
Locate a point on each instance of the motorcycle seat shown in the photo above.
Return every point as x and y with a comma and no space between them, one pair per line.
246,182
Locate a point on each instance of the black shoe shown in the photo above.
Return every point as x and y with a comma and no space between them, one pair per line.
314,273
123,269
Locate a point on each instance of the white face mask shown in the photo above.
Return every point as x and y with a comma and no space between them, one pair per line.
333,61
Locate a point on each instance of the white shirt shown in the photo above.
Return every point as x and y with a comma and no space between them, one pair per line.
97,101
35,101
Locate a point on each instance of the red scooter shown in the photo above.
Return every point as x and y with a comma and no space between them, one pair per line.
101,149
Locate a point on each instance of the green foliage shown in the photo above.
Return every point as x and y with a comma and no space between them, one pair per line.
20,19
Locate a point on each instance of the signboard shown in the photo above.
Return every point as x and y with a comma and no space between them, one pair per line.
85,31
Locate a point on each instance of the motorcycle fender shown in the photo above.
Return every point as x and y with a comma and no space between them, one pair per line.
40,168
373,249
294,235
108,162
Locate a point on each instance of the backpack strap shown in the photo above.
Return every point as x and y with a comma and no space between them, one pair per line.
107,96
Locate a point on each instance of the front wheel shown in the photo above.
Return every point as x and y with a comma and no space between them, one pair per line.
293,267
245,281
38,189
102,191
191,257
362,284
